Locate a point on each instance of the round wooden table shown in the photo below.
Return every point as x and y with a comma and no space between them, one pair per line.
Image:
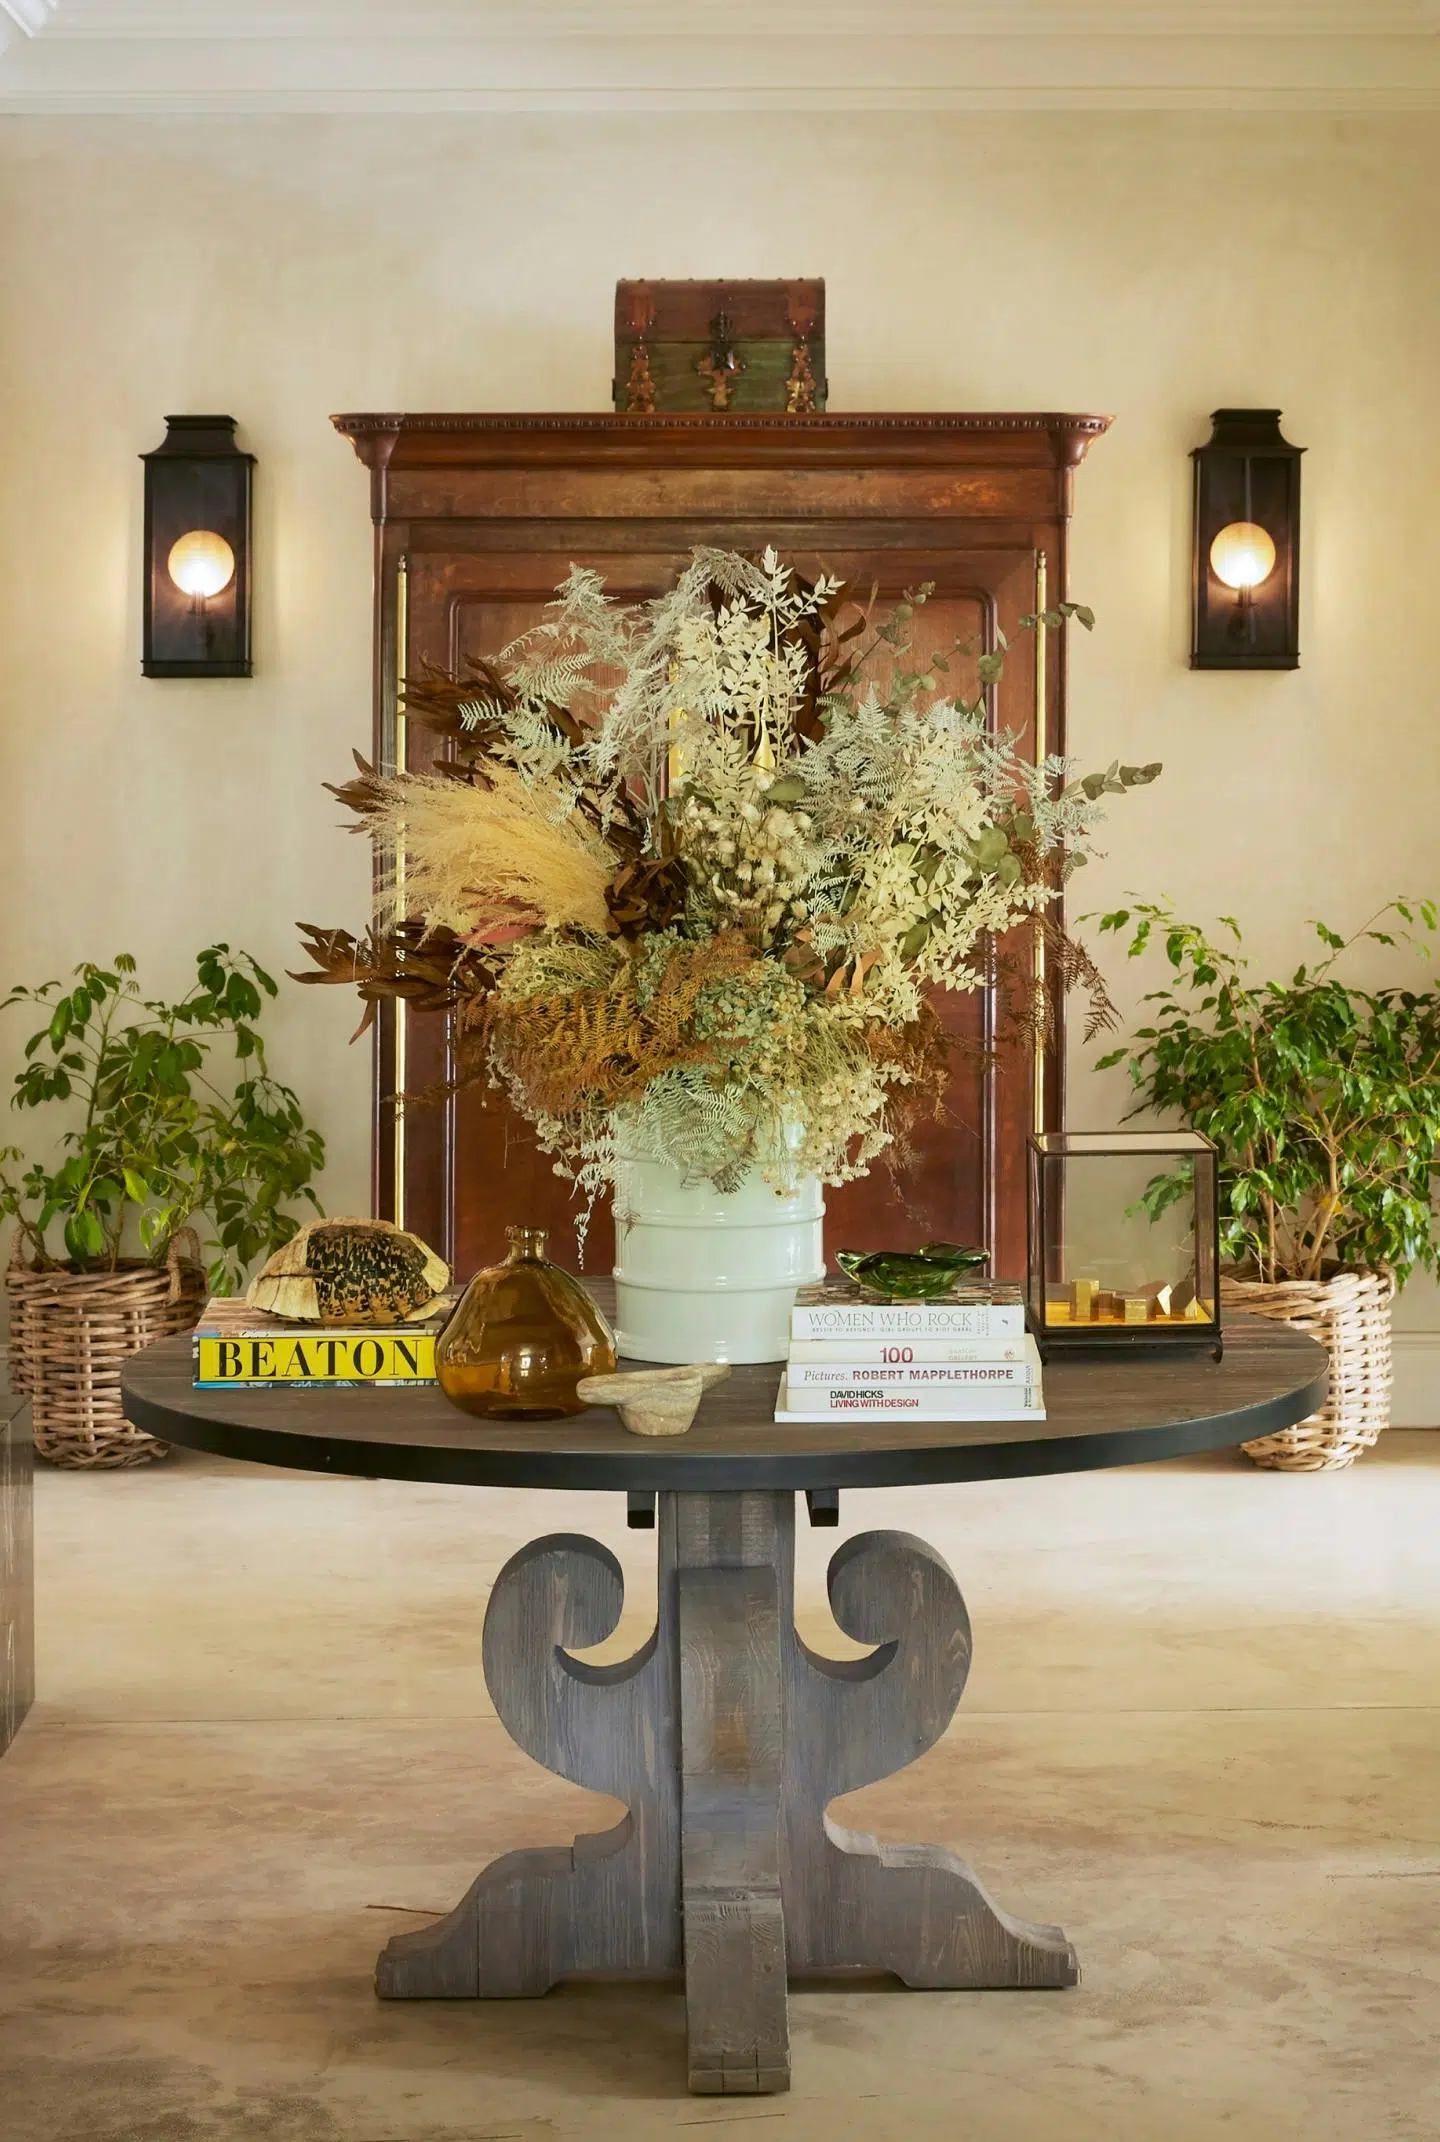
726,1737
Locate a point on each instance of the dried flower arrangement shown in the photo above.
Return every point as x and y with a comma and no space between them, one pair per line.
686,878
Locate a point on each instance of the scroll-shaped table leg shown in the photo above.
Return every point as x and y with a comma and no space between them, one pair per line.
610,1902
850,1903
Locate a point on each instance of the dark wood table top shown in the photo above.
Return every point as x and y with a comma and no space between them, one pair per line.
1099,1412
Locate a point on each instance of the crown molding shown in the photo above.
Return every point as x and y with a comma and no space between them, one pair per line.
51,72
395,440
483,19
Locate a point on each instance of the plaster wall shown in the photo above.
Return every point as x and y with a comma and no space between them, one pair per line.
1154,266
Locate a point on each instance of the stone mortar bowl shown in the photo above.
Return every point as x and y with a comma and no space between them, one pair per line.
657,1401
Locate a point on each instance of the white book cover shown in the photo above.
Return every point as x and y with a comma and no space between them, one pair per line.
855,1319
897,1353
946,1379
1020,1401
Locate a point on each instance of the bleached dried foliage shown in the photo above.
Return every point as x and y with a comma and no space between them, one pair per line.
711,877
481,856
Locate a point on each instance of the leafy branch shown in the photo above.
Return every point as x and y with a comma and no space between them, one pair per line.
1324,1099
158,1141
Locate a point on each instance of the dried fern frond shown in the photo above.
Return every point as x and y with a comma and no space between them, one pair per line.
1026,1014
1069,966
592,1050
915,1056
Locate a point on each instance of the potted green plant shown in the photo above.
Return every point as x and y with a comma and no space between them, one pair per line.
1324,1100
160,1144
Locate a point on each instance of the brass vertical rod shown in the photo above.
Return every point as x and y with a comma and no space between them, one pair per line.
1042,752
402,1009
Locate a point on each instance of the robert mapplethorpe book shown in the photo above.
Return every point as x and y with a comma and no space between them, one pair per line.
918,1367
239,1347
873,1353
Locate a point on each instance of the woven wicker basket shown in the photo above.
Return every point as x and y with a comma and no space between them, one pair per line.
70,1335
1349,1313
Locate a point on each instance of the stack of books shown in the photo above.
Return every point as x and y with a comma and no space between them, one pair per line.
966,1358
239,1347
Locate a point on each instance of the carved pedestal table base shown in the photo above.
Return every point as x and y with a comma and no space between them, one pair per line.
726,1738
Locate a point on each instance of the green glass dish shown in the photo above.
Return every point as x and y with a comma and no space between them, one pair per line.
923,1275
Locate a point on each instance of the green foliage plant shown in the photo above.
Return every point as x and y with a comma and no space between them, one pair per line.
1323,1099
161,1140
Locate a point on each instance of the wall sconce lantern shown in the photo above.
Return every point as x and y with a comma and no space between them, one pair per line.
197,551
1247,545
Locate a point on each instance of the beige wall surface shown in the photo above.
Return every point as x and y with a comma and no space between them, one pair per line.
1153,267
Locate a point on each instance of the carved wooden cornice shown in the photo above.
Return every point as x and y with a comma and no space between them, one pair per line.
399,440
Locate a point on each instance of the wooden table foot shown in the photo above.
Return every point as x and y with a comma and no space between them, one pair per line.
611,1902
726,1738
850,1904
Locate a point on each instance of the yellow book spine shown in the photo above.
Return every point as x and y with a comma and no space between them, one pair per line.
315,1357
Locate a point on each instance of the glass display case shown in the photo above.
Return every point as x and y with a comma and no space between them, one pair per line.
1124,1241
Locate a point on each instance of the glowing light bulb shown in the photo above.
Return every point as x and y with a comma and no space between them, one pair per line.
1243,555
202,563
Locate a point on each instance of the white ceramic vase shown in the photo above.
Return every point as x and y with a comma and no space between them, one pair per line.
708,1275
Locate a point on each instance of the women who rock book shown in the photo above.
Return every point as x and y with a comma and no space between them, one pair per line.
843,1313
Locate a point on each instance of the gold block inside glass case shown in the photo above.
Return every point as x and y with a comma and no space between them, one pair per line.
1123,1240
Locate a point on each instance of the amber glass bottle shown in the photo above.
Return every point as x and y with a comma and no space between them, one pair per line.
523,1336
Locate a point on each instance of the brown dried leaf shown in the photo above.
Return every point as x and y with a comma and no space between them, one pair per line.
434,972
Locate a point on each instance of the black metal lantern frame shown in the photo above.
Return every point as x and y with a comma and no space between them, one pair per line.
1246,609
197,551
1124,1242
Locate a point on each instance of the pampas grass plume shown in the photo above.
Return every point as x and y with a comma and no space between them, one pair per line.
477,858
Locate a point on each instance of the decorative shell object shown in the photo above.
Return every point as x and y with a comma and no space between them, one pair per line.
658,1401
350,1272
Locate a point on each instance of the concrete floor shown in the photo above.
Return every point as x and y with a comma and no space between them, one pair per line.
1202,1733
